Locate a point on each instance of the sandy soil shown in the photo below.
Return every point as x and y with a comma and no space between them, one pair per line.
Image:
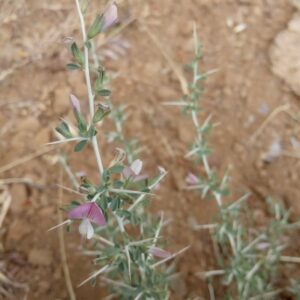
34,85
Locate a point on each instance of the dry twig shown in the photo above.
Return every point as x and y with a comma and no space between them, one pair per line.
176,69
5,201
62,244
272,115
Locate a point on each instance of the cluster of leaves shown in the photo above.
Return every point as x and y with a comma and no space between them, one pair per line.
124,235
84,131
123,246
248,258
250,255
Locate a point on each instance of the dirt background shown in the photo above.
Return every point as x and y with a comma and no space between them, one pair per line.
237,36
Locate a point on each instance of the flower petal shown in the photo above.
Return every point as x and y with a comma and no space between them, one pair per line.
86,229
96,216
75,103
81,211
89,211
139,178
192,179
159,252
137,166
127,172
110,16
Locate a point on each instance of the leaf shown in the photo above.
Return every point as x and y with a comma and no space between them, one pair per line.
64,130
96,27
75,203
101,112
73,67
103,92
115,204
88,45
93,281
124,214
68,228
77,54
116,169
118,184
99,81
81,123
78,147
84,6
91,132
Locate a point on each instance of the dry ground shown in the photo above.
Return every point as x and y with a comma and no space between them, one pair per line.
34,88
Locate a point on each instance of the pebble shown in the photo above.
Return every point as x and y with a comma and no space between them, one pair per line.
285,54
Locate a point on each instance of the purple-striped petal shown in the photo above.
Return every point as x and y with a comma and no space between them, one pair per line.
96,216
75,103
158,252
80,212
110,16
89,211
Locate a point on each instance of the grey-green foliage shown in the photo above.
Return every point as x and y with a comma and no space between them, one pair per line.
122,249
247,256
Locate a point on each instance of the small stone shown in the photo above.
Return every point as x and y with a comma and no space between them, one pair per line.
285,55
40,257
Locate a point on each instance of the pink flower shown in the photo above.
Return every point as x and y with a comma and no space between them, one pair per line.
89,213
110,16
158,252
263,246
133,171
75,103
191,179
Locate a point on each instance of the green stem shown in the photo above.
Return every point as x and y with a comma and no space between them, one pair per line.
89,86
